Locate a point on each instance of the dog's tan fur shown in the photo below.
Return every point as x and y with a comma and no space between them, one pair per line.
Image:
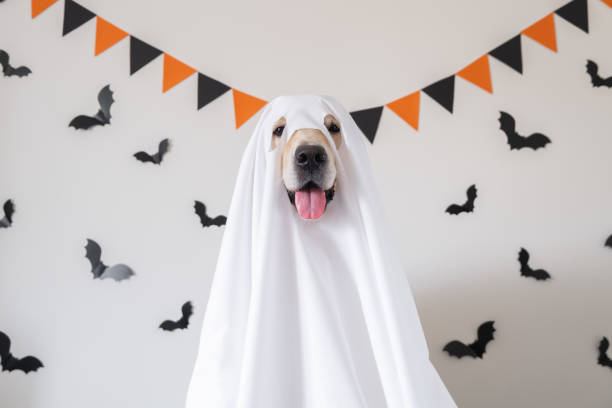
308,137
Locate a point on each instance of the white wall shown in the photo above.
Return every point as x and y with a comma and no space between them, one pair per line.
99,340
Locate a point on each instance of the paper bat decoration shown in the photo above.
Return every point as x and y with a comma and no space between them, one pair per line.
458,349
12,363
596,80
603,358
182,323
516,141
157,157
9,210
8,70
117,272
609,242
102,117
200,210
538,274
468,206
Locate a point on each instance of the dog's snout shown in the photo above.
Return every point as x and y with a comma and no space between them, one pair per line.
310,156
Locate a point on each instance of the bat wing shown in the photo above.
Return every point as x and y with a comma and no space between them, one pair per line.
169,325
455,209
523,257
472,193
200,210
4,61
592,69
5,345
187,311
603,358
508,125
144,157
21,71
164,145
93,253
219,220
536,140
84,122
105,99
485,335
457,349
540,274
608,242
9,210
117,272
26,364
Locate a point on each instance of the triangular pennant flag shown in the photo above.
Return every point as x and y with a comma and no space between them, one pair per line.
107,35
443,92
478,73
141,54
510,53
407,108
245,106
576,13
543,32
174,72
75,16
209,89
607,2
367,120
38,6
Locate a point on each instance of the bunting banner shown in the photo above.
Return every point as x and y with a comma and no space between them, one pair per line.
407,107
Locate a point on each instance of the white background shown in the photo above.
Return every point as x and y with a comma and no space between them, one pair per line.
99,340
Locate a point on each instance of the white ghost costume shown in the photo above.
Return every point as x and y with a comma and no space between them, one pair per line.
310,313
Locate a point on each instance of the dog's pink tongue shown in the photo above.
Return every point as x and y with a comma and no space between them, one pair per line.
310,202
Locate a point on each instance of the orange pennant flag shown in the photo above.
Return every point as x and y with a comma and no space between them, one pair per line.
407,108
107,35
478,73
608,2
245,106
174,72
543,32
38,6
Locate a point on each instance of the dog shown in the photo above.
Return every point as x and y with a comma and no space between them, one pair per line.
308,166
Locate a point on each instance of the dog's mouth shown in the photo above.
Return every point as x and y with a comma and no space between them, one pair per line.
310,201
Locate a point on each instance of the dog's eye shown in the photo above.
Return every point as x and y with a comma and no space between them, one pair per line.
333,128
279,131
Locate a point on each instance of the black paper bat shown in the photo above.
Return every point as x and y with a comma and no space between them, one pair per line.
200,210
12,363
516,141
102,117
182,323
477,348
9,70
9,210
117,272
157,157
468,206
538,274
609,242
603,358
596,80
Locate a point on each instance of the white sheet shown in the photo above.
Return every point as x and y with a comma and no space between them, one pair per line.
310,313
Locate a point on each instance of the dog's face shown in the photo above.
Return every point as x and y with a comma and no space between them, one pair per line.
308,166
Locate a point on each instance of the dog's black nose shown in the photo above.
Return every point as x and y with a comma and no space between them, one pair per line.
310,156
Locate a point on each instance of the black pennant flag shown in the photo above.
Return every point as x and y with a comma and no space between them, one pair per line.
209,89
510,53
576,13
75,16
443,92
367,120
141,54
